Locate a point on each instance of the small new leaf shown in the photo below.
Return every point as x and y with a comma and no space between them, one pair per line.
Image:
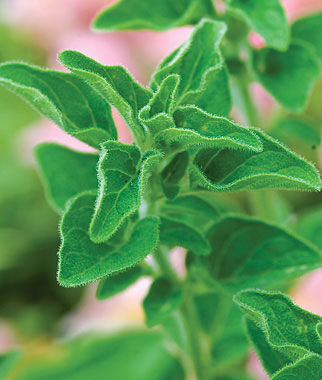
163,299
267,18
65,172
161,15
113,83
157,115
274,167
196,128
203,79
288,76
123,176
284,335
82,261
63,98
249,253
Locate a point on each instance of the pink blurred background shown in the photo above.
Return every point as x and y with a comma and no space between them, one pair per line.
65,24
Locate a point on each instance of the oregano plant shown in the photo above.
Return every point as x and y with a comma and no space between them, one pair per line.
194,177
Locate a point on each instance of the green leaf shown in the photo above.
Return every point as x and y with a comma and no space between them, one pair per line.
173,173
163,299
319,330
135,355
186,220
65,172
176,234
308,29
249,253
309,226
7,362
112,285
281,332
273,358
288,76
267,18
296,130
309,365
63,98
196,128
274,167
161,15
203,78
123,176
113,83
82,261
213,95
157,115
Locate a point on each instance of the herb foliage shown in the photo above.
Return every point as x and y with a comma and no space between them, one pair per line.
126,202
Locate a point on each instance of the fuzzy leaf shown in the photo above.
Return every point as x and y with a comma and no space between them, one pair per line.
310,365
281,332
163,299
267,18
65,172
162,15
274,167
131,355
196,129
112,285
319,330
63,98
82,261
123,176
157,115
203,79
113,83
288,76
308,29
249,253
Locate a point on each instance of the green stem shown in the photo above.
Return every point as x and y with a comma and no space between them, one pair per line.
161,257
188,315
250,109
191,325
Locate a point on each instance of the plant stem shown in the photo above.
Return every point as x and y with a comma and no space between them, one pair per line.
191,325
161,257
250,110
188,315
